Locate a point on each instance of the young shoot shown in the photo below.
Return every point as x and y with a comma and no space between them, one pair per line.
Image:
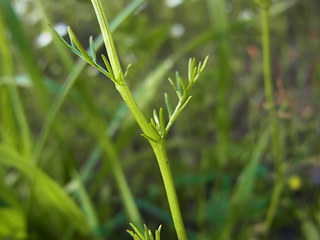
183,93
137,235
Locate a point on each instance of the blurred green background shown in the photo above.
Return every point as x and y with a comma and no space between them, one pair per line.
66,137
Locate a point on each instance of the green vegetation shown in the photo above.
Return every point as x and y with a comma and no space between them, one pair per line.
240,162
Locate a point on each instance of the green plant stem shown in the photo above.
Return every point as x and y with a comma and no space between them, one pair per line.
266,60
143,94
272,118
86,204
161,155
135,110
219,20
106,34
20,117
157,145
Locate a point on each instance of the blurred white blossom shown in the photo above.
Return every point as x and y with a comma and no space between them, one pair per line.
245,15
173,3
61,28
21,6
43,39
177,30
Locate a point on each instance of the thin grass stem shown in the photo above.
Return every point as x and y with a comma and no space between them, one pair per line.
219,19
272,118
20,116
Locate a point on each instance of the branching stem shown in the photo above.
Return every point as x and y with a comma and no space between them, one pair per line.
175,114
147,129
107,38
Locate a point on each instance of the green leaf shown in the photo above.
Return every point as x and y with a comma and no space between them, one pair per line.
127,70
48,192
13,224
158,232
135,236
153,124
179,86
191,65
168,104
193,75
64,42
162,122
70,46
110,71
70,39
184,87
137,231
173,84
147,233
149,138
92,50
204,63
156,118
150,236
79,46
185,104
154,128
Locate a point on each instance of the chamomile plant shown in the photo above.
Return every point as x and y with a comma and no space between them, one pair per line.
154,131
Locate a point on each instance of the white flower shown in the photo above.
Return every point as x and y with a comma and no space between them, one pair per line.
173,3
177,30
43,39
61,28
245,15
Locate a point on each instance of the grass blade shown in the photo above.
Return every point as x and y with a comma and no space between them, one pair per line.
52,194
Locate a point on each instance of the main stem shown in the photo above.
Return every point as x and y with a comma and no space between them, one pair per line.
161,155
158,145
272,118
